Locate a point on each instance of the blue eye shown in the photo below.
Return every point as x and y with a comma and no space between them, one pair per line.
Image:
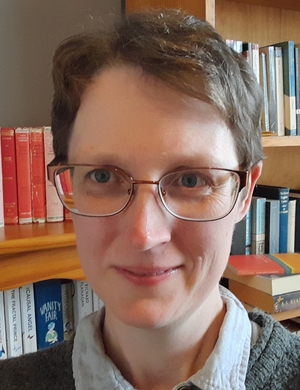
189,180
101,176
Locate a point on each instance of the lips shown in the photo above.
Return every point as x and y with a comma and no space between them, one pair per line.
147,277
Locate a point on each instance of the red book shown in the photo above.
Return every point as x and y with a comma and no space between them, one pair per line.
9,172
38,190
275,264
23,174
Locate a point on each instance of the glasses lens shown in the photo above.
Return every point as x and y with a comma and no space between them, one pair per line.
93,190
200,194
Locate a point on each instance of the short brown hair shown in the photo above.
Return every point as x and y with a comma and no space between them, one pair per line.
182,51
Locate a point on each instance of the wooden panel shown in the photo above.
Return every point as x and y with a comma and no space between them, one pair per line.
259,24
19,269
273,141
31,237
281,167
284,4
194,7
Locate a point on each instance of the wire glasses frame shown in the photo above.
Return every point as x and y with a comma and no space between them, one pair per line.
196,194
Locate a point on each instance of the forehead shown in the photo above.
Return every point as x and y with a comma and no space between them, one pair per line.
125,115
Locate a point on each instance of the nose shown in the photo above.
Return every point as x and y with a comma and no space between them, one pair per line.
148,223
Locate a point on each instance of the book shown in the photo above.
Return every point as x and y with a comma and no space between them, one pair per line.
271,80
38,180
279,90
297,87
270,264
48,313
9,176
82,300
288,56
54,207
282,194
23,174
13,322
28,318
296,195
272,226
3,344
291,226
238,245
258,215
270,284
267,302
265,123
67,287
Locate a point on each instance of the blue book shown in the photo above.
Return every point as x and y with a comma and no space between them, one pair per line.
272,226
48,312
289,86
258,211
282,194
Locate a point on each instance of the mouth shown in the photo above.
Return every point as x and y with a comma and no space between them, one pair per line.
147,277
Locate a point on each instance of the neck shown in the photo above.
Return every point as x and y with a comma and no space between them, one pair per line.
158,359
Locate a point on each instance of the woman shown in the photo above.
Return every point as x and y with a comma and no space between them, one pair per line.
156,127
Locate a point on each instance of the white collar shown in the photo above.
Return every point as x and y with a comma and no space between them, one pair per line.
225,369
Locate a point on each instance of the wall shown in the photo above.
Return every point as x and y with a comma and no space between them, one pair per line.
30,30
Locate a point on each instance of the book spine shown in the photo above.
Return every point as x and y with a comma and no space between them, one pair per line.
272,226
23,174
48,313
279,90
238,245
67,309
83,300
37,175
13,322
291,226
288,56
28,318
9,175
54,207
258,207
248,232
286,302
255,60
3,343
283,219
297,88
265,125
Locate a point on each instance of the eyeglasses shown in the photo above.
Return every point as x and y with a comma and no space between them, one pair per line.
197,194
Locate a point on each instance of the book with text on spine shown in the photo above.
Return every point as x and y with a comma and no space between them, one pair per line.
28,318
13,322
271,284
267,302
265,264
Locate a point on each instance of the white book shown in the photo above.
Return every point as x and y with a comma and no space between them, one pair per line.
279,90
291,226
97,302
29,333
3,343
13,322
54,207
83,300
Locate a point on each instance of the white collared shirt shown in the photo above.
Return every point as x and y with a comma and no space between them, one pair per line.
225,369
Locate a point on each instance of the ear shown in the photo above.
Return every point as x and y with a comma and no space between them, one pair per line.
245,196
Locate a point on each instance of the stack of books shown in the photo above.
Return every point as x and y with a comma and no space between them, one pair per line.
268,282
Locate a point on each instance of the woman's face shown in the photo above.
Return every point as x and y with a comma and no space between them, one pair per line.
149,267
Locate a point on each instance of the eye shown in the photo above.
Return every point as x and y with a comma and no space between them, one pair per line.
101,175
191,180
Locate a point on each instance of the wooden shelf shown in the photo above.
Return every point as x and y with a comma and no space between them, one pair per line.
273,141
292,5
35,252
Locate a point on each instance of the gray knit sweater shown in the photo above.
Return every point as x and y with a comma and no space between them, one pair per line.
274,363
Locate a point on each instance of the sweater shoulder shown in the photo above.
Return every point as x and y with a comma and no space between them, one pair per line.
50,368
274,361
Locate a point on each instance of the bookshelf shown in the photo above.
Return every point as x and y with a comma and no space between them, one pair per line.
34,252
29,253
